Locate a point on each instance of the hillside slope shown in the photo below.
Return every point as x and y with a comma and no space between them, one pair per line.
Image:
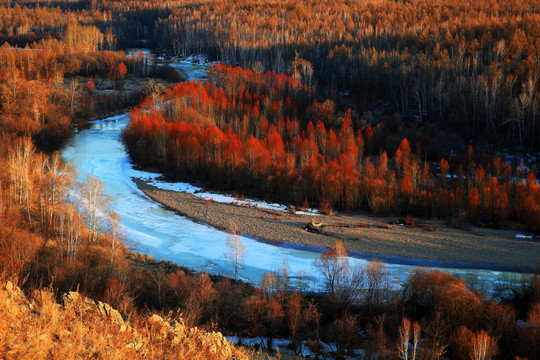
80,328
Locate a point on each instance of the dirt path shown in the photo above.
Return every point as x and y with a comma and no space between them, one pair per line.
360,233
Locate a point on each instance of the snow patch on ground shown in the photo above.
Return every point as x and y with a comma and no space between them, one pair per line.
283,345
163,234
154,180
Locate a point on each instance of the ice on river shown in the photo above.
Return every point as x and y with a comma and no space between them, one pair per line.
153,230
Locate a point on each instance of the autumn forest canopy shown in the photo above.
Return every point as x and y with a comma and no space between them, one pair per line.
421,108
467,68
266,132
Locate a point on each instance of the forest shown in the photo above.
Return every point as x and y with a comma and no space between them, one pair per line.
469,68
46,239
265,132
465,68
327,105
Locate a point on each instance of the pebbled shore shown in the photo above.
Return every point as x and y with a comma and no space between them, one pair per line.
489,248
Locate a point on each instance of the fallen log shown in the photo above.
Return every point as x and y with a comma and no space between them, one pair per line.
314,227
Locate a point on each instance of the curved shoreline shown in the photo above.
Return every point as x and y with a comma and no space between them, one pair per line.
362,235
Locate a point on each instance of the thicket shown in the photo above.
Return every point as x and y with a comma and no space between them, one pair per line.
245,131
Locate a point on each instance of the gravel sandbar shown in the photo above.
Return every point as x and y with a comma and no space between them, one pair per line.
362,233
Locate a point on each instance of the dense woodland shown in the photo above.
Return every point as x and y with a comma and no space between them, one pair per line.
47,86
244,130
45,239
468,67
269,131
50,85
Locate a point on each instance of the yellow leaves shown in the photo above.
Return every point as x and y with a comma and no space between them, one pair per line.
83,328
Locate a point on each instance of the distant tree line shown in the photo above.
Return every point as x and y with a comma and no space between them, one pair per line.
468,67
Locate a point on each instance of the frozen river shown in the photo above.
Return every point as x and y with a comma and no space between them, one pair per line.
153,230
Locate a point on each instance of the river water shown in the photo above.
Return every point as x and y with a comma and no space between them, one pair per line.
151,229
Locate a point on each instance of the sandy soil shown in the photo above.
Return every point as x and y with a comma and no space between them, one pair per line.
362,233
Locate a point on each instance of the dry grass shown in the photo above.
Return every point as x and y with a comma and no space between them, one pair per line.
38,328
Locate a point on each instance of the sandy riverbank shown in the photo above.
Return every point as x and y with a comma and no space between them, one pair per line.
360,233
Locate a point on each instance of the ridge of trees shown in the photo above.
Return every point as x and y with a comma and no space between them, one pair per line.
265,132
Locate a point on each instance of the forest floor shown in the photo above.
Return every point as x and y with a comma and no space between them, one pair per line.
363,233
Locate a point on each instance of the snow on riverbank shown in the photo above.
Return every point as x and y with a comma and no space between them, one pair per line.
154,180
283,345
153,230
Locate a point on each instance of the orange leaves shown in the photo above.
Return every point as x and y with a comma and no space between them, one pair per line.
332,145
337,251
305,149
474,202
18,246
444,167
404,149
479,176
406,186
117,71
276,87
258,159
274,143
529,213
90,85
369,135
122,69
533,186
213,142
476,346
403,157
440,292
405,335
255,130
